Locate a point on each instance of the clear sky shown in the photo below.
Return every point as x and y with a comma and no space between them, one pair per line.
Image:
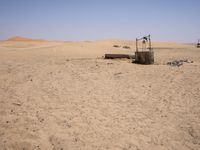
165,20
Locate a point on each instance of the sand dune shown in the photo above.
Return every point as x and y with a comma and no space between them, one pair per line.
23,39
65,96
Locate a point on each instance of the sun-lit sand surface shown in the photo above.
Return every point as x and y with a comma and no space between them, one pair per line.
65,96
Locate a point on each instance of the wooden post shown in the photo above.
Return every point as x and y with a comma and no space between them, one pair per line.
136,45
150,43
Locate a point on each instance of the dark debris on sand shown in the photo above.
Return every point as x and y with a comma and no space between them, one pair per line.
178,63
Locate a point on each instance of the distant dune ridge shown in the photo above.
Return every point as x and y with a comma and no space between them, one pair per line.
24,39
104,42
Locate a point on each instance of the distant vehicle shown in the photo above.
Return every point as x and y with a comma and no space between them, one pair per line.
198,44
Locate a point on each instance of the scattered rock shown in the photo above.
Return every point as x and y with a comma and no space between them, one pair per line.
117,73
116,46
41,120
127,47
17,104
67,124
175,63
178,63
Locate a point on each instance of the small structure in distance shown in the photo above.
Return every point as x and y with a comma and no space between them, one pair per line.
144,53
198,44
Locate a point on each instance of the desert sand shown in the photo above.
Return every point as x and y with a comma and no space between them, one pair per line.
65,96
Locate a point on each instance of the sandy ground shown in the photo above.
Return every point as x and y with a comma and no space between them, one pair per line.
65,96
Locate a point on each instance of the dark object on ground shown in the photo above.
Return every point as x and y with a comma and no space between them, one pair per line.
146,54
198,44
127,47
178,63
116,46
117,56
117,73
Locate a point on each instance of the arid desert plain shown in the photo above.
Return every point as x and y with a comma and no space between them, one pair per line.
66,96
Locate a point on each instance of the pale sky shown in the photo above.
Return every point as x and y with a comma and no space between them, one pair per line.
165,20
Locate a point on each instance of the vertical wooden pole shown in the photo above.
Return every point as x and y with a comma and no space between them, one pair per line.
136,45
150,43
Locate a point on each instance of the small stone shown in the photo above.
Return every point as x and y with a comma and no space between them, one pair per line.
126,47
116,46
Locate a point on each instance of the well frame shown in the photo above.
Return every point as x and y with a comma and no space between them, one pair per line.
146,55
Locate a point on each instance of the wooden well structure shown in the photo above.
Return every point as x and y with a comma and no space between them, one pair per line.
144,53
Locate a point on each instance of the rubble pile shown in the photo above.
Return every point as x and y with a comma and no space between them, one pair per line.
178,63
